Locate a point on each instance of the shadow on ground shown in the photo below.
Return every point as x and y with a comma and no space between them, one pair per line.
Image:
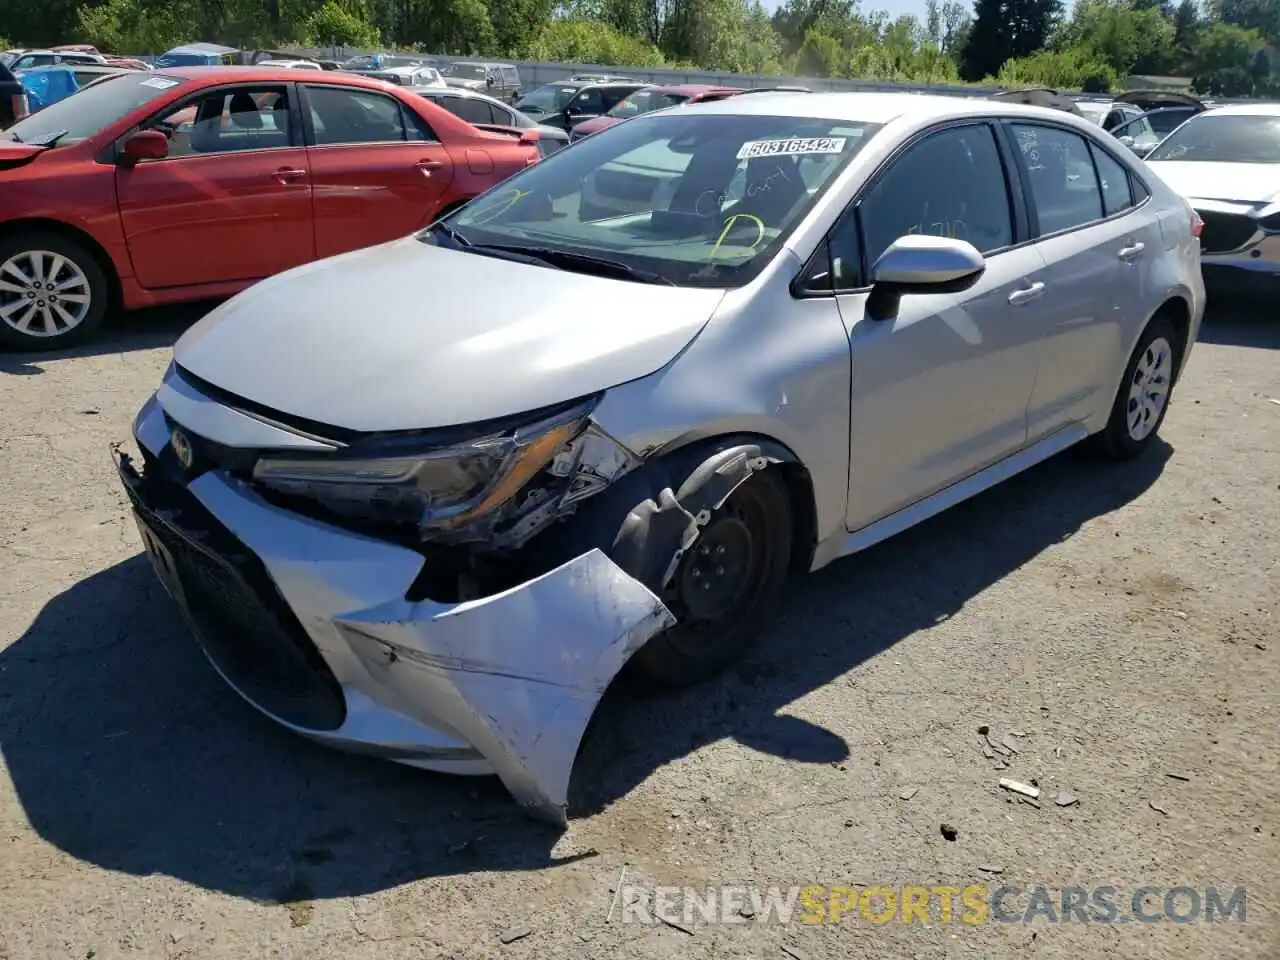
126,751
149,329
1236,322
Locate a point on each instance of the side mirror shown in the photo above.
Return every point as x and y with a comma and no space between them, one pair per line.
918,263
488,81
146,145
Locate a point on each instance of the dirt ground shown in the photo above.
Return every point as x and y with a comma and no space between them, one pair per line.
1118,627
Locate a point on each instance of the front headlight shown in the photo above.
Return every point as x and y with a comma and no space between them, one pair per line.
437,489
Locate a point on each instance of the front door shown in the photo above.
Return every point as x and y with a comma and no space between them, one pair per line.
378,169
941,390
231,201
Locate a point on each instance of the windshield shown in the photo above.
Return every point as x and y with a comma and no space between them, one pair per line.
644,101
1165,120
467,71
1223,138
1094,112
697,201
186,60
94,107
551,98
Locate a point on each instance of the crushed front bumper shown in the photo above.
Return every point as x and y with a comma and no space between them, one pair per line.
311,624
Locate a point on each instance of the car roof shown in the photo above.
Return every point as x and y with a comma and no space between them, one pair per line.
873,107
693,89
1247,110
259,74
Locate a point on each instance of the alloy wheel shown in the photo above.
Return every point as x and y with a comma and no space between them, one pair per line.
43,294
1149,388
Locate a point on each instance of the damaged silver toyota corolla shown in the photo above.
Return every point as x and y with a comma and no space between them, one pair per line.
427,500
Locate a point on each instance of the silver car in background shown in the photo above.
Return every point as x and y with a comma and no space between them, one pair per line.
427,500
1226,162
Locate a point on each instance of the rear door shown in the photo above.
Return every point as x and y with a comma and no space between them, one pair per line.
231,201
378,169
1094,242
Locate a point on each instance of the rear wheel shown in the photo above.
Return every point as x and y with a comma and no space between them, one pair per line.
725,586
1143,398
52,292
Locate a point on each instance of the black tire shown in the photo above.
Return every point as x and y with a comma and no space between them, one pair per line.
703,642
1117,441
77,258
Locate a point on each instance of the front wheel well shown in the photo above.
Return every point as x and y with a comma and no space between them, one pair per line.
794,474
13,228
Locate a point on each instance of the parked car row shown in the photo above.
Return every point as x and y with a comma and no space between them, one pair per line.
190,183
427,499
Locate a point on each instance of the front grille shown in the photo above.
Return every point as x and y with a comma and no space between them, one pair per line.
1224,232
239,617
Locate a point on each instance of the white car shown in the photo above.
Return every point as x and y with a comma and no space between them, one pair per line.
1226,162
426,500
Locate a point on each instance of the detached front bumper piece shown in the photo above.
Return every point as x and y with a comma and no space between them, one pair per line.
311,625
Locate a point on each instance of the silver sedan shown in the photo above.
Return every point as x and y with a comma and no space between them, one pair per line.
426,500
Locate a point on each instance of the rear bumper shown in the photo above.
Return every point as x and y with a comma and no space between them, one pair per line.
310,624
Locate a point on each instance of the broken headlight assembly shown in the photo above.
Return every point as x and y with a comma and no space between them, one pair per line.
437,488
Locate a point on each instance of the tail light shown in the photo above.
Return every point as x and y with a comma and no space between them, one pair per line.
1197,224
18,103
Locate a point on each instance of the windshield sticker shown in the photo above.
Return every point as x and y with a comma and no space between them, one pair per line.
792,146
159,83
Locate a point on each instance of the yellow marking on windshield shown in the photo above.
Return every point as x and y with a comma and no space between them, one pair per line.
728,225
517,196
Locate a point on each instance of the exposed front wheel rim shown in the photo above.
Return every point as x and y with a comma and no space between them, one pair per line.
1149,388
43,294
717,581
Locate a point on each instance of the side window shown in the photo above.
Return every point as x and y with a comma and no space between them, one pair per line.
342,115
469,109
588,101
415,127
1113,177
950,184
1060,176
245,119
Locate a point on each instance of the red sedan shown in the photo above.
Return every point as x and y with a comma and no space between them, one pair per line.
151,188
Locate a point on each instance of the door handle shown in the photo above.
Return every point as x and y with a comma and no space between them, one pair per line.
289,174
1026,294
426,166
1132,251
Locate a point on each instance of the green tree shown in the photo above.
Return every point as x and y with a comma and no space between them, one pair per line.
1072,69
1126,36
1260,15
1004,30
1223,60
588,41
334,24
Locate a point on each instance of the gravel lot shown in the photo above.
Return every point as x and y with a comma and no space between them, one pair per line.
1124,622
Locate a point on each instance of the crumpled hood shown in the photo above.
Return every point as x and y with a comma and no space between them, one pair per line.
1247,182
407,335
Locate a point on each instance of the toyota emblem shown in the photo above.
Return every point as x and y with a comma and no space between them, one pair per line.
182,448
